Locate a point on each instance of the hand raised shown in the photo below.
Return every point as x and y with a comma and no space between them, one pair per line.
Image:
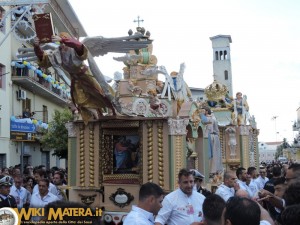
55,38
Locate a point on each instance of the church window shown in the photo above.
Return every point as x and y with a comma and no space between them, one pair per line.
225,55
221,55
216,56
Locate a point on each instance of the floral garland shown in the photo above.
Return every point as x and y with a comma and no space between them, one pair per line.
40,73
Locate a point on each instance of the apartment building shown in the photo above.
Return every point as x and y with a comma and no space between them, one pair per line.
23,87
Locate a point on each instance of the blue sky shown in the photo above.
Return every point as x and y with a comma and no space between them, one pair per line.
264,50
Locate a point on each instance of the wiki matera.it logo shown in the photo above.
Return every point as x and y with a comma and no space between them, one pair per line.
8,217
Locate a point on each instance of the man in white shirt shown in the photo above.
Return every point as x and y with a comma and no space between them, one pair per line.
262,179
21,194
58,178
253,174
182,206
40,174
150,199
242,178
42,197
229,186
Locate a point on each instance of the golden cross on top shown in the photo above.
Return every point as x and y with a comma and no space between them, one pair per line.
138,21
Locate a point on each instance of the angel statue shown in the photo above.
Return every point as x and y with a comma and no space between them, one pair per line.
89,90
180,87
174,84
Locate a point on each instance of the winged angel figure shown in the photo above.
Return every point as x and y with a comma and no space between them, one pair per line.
174,83
89,89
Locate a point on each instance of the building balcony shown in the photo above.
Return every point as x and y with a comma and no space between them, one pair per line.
30,81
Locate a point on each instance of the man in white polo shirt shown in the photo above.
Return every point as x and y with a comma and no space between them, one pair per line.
150,199
182,206
241,174
229,186
262,179
42,197
40,174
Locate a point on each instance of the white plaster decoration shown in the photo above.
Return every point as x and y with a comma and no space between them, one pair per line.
178,126
71,129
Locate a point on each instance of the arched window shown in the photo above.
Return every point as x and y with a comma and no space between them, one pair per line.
225,55
221,55
226,75
216,56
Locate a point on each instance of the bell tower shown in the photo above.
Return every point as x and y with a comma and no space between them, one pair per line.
222,60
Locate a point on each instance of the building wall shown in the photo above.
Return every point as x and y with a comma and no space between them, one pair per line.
267,151
5,95
10,151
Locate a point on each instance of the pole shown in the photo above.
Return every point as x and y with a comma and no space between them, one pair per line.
22,157
274,118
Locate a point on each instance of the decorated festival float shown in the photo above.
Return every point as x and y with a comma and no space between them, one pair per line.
146,129
158,130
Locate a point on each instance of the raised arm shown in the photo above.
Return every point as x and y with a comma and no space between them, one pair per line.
70,42
37,49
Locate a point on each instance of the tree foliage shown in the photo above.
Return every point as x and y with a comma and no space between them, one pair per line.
57,136
279,150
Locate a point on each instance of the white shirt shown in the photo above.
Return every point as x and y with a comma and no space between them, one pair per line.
59,192
253,187
225,192
264,222
245,187
52,188
139,216
260,182
179,209
21,195
38,202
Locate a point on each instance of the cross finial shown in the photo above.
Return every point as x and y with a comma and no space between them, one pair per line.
138,21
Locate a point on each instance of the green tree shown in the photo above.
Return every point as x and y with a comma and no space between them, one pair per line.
57,136
279,150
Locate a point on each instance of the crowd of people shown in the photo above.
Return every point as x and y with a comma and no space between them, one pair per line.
245,197
34,188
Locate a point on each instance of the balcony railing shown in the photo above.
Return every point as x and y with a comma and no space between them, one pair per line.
31,82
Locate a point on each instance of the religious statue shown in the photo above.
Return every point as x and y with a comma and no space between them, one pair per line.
180,87
89,89
240,109
134,89
231,131
211,132
155,103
